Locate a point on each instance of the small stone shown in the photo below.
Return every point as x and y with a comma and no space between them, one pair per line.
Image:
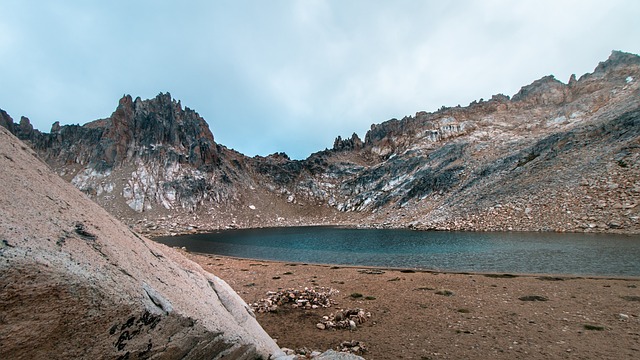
321,326
352,325
615,225
623,317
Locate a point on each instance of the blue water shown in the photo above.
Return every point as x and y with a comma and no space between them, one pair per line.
512,252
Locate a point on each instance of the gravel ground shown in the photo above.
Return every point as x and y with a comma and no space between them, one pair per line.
428,315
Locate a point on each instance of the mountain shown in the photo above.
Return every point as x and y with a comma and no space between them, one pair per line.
77,283
553,157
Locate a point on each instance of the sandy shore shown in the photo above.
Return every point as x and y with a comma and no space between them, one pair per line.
428,315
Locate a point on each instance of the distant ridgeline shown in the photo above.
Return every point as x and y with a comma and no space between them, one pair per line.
554,157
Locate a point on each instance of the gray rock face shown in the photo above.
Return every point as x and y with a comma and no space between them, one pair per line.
76,283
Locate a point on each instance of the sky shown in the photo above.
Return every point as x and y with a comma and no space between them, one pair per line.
289,76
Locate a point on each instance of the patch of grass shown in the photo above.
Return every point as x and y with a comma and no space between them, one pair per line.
394,279
276,277
464,311
288,273
501,276
250,284
407,271
445,292
369,297
593,327
356,295
533,298
631,297
550,278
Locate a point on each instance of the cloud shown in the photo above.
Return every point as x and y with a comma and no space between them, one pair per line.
291,75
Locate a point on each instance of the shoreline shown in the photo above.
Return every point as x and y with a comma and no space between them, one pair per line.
422,270
438,315
203,229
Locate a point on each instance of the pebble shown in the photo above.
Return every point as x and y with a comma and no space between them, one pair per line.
345,319
304,299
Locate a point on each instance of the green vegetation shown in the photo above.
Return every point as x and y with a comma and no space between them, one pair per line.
593,327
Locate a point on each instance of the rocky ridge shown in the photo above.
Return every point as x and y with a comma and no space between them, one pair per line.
554,157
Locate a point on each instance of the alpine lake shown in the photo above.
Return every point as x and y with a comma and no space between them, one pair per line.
491,252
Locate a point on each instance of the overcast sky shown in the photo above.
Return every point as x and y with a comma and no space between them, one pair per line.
290,76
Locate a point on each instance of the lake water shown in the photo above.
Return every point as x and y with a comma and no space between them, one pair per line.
509,252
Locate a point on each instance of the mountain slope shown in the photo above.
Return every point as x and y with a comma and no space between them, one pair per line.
555,156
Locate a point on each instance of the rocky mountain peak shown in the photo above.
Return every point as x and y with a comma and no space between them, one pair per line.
6,121
544,91
618,59
353,143
159,126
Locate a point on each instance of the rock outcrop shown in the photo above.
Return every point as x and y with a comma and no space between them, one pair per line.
76,283
555,156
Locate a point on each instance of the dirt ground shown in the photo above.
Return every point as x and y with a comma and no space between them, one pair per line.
429,315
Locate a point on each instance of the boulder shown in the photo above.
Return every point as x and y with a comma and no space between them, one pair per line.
76,283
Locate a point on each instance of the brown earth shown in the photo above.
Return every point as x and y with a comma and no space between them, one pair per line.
483,317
